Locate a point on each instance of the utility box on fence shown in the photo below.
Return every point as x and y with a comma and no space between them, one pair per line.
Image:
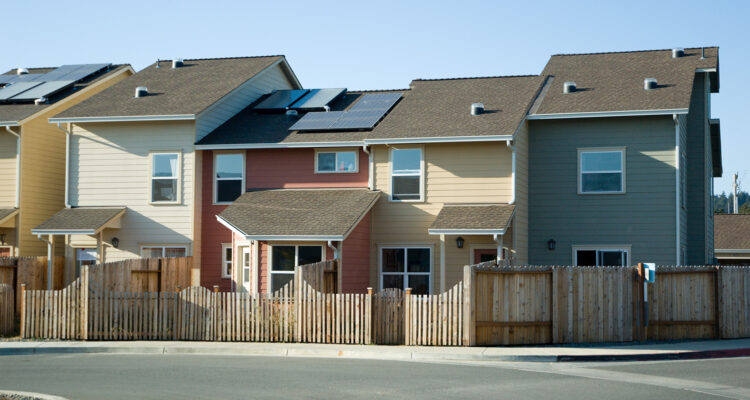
650,270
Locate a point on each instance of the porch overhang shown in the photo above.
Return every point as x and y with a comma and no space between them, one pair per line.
473,219
7,217
81,221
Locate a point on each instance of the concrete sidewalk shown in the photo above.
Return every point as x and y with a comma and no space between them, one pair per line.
599,352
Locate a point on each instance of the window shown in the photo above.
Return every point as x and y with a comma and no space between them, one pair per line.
601,171
85,257
407,267
163,251
604,257
285,258
406,174
229,177
226,260
165,176
336,161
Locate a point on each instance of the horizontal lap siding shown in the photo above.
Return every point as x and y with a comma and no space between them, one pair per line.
644,217
355,271
213,234
295,168
7,168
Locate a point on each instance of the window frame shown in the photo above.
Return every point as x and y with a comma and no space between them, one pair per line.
624,248
421,174
336,152
178,178
404,274
623,163
216,180
224,261
269,287
164,248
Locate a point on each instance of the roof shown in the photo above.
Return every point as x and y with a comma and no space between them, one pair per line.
83,220
612,82
13,112
187,90
307,214
429,109
474,219
6,213
732,232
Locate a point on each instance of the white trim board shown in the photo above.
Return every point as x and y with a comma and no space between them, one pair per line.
366,142
605,114
131,118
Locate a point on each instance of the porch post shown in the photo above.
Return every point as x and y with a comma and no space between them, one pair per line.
50,261
442,263
499,240
100,248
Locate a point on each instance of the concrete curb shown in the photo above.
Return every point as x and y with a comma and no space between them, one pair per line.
29,395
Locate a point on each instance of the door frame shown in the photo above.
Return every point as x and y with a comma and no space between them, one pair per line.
10,248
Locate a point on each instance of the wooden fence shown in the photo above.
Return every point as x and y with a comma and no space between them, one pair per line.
140,275
435,320
29,271
7,310
388,317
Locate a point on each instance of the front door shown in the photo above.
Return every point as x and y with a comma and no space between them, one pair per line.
484,255
246,266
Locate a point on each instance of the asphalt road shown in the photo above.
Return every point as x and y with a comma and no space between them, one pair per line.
239,377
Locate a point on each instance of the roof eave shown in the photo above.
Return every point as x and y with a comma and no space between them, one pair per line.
366,142
130,118
467,231
8,217
9,123
608,114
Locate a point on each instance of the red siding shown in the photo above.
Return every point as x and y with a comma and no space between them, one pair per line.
295,168
213,234
356,259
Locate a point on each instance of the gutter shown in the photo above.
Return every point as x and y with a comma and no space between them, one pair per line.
18,165
512,148
371,165
68,133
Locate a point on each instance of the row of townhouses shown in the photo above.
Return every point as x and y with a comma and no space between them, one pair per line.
601,159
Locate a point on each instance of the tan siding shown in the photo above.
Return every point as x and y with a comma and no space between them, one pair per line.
521,219
110,166
7,168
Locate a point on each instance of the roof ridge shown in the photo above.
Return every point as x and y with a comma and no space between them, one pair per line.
630,51
222,58
377,90
473,77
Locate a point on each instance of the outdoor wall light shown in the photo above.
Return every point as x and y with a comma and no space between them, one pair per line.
551,244
2,238
115,242
460,242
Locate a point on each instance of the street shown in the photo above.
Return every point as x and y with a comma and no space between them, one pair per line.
102,376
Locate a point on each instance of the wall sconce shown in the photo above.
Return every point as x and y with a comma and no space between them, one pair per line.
551,244
115,242
2,238
460,242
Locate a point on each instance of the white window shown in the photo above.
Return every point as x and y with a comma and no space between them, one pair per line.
683,180
163,251
285,258
406,174
165,177
226,260
336,161
229,177
601,257
406,267
601,171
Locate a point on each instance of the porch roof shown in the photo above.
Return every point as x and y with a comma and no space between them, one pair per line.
473,219
80,221
6,214
298,214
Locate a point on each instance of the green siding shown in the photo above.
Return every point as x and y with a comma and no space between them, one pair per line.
643,217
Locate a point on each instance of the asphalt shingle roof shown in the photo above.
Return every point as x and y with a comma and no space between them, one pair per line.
299,212
614,81
6,212
473,216
84,218
186,90
732,231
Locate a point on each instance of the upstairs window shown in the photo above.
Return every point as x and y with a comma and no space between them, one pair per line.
165,177
604,257
601,171
406,174
336,161
229,177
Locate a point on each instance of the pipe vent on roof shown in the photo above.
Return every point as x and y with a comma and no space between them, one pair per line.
477,108
22,71
177,63
569,87
678,52
141,91
649,83
40,100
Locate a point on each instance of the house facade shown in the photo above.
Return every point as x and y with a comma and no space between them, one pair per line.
732,239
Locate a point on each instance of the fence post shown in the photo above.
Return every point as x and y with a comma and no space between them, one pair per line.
469,312
407,317
554,312
84,302
642,309
297,304
368,315
718,299
23,310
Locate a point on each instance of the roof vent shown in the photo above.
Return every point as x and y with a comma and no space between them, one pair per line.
649,83
141,91
177,63
22,71
327,107
291,114
477,108
40,100
678,52
569,87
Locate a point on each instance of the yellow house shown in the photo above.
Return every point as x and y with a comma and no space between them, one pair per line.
32,151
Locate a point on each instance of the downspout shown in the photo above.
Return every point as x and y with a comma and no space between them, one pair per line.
678,188
334,248
370,172
50,260
18,165
67,163
498,238
512,148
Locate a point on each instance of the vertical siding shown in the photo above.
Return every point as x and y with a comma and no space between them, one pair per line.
110,167
295,168
355,274
7,168
230,105
644,217
521,219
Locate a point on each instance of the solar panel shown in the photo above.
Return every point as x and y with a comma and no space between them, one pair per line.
281,99
317,121
376,101
45,89
358,120
73,72
20,78
17,88
318,98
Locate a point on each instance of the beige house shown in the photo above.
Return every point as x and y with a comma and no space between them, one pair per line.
32,151
134,187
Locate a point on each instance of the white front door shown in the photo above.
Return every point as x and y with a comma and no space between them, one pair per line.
246,269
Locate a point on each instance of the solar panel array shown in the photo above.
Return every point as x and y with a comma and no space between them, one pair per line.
299,99
365,114
317,99
29,87
281,99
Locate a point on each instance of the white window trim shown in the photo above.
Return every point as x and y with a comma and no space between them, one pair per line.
216,180
178,198
164,247
9,247
421,175
336,152
430,278
625,248
623,163
296,260
224,247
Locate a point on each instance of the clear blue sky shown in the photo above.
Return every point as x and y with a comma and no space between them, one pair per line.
386,44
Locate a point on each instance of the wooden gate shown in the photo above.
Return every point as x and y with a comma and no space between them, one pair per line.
388,317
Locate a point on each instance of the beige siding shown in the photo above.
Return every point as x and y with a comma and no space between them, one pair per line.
7,168
110,166
230,105
454,173
521,219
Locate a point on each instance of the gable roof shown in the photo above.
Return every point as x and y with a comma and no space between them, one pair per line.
457,219
83,220
613,82
184,91
731,232
12,113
